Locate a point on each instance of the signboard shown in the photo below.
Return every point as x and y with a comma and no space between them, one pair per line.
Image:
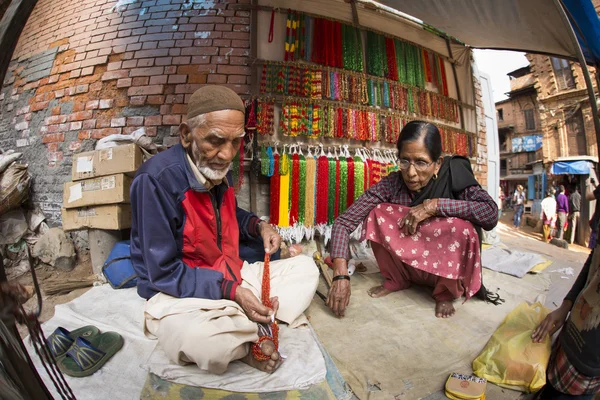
526,143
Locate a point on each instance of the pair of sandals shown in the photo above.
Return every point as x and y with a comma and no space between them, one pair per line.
83,351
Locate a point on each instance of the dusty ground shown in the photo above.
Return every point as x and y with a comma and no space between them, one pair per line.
46,274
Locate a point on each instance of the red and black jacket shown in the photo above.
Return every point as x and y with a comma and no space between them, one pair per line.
184,238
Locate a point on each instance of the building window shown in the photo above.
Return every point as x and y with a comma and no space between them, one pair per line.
529,119
501,114
563,73
575,132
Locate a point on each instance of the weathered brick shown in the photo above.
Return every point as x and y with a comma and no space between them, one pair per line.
200,51
218,79
129,64
82,89
53,138
181,60
74,146
170,69
158,80
151,131
171,119
146,62
112,66
56,110
156,100
223,27
146,71
237,79
125,82
207,20
240,43
163,61
179,109
55,119
85,134
135,121
78,106
138,100
236,35
81,115
21,126
165,109
104,132
201,60
177,79
75,126
241,28
153,120
233,70
52,147
222,43
140,81
89,124
149,45
166,43
106,103
87,71
118,122
118,74
96,86
152,53
197,78
94,61
145,90
92,105
76,73
188,88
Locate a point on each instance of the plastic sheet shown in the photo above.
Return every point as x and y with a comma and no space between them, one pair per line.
511,358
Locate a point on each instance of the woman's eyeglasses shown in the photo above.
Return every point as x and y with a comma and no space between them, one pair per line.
419,165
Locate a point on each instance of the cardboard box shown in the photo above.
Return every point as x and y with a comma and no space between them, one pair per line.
111,189
111,217
125,159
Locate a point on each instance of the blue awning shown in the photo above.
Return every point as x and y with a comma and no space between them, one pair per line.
579,167
583,16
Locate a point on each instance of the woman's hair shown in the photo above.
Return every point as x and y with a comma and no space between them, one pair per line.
415,130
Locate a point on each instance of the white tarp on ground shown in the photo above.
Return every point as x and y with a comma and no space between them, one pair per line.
512,262
123,376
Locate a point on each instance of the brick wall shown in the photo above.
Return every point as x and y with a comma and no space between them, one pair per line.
481,163
86,69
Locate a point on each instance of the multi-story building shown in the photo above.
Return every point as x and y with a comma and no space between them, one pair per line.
520,137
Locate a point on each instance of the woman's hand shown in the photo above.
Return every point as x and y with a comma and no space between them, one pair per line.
339,294
416,215
553,322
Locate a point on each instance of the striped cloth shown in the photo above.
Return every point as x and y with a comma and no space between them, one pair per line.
563,376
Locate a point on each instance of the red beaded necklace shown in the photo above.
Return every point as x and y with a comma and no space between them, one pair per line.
266,300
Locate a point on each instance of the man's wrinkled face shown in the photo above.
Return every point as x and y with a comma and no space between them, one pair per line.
213,144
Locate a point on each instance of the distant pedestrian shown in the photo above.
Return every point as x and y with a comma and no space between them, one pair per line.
548,215
592,192
500,201
519,204
562,207
574,212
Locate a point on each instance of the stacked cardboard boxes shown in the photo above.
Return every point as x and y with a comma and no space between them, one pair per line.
98,196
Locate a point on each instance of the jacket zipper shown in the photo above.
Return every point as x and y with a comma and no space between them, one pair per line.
213,200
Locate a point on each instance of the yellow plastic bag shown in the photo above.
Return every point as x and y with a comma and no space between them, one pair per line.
510,358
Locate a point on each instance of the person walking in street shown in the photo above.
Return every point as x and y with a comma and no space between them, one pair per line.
574,209
500,202
562,207
548,215
519,205
592,192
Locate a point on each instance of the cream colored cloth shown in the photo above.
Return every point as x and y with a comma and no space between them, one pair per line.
213,333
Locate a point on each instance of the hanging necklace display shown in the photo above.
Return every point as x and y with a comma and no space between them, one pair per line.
302,190
310,201
322,188
274,185
284,188
331,189
295,188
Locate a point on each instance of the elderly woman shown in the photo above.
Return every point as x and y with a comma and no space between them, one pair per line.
422,223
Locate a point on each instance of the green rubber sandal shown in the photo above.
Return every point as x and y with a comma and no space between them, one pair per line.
61,339
85,357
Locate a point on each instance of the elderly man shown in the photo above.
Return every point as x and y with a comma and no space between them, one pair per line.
203,300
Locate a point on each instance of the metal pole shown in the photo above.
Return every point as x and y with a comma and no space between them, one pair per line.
586,72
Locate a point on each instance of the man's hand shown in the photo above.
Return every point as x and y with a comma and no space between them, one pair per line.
270,238
339,294
416,215
553,322
255,310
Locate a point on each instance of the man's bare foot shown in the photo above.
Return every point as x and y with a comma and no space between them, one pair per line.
291,251
378,291
268,366
444,309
